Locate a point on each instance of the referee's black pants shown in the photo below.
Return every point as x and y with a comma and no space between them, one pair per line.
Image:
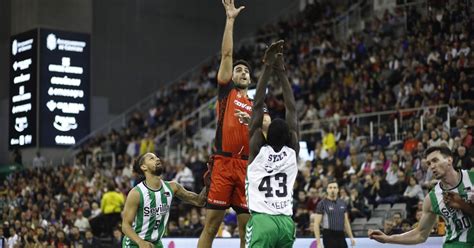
334,239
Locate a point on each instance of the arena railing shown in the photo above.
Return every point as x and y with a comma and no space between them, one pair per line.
395,122
172,142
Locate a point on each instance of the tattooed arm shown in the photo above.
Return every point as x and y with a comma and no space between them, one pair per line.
189,196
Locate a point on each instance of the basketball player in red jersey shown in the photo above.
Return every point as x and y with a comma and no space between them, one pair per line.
227,187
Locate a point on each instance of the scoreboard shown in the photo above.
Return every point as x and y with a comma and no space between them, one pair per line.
23,90
49,88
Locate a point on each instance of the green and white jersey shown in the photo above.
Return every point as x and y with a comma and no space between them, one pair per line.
152,213
269,182
459,226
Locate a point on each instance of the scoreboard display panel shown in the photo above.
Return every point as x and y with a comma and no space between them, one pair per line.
49,88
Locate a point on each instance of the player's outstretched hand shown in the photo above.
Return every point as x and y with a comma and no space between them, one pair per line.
271,54
243,117
377,235
230,10
453,200
279,63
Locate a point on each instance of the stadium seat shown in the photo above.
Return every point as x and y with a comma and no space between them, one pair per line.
374,223
400,208
358,225
359,221
381,211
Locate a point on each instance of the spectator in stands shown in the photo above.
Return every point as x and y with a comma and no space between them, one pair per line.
418,214
410,142
434,139
75,237
195,226
81,222
388,226
382,159
406,226
133,147
397,223
457,143
61,240
147,144
184,176
467,96
39,161
302,220
90,241
413,194
41,236
117,238
355,183
329,140
445,138
367,166
371,188
353,155
466,138
96,211
174,230
330,159
401,185
392,171
358,205
462,160
381,140
312,199
342,150
111,206
344,196
339,170
455,132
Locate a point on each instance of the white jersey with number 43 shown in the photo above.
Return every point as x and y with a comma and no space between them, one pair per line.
270,180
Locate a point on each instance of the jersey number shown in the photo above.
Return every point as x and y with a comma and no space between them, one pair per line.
463,223
266,186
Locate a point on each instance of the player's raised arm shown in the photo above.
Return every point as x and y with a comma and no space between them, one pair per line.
255,129
415,236
225,69
289,99
190,197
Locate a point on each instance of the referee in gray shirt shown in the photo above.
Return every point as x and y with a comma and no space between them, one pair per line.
333,214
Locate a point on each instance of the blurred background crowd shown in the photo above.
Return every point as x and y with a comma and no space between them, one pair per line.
401,60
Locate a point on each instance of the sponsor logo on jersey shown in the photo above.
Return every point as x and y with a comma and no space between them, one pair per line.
276,157
272,158
218,202
242,105
159,210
